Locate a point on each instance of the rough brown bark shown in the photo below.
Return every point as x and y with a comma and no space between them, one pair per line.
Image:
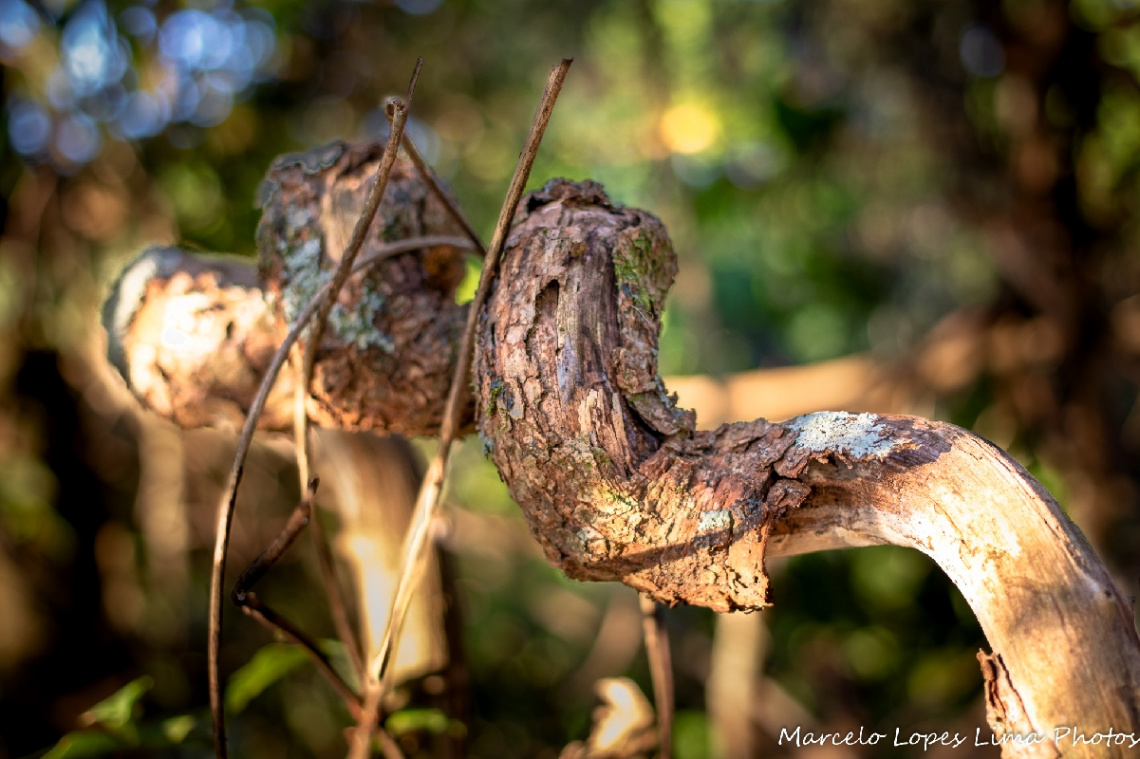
193,336
400,319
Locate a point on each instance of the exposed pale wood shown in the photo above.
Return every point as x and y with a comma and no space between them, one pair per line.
1065,649
371,483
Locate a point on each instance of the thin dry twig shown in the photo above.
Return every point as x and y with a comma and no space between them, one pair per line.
388,746
660,671
248,601
337,605
229,495
338,609
398,112
428,500
433,184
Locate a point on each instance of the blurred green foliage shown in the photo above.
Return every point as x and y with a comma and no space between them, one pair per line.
840,176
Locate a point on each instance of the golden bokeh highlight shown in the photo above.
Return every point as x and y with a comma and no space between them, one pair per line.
689,128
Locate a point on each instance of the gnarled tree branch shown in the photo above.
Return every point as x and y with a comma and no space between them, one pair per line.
617,484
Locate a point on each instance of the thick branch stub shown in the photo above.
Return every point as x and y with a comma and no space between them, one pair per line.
614,480
616,484
193,337
400,320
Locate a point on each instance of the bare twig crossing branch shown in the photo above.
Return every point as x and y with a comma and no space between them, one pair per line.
229,496
398,112
428,499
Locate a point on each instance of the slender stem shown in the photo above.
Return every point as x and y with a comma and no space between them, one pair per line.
243,596
338,609
271,555
458,672
359,232
229,496
430,179
379,670
433,184
660,671
399,115
254,607
337,606
414,80
388,746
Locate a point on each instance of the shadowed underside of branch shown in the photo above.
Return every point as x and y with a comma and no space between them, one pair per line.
616,483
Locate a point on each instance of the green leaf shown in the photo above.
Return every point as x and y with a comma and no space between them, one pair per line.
84,743
338,658
690,735
176,729
117,710
415,720
267,666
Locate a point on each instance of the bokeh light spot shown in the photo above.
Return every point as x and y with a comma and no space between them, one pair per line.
689,128
418,7
139,22
78,139
92,55
142,117
981,52
18,23
29,127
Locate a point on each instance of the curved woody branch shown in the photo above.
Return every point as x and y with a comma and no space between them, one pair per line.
617,484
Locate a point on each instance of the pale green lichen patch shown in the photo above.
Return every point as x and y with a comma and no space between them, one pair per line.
358,326
644,265
303,278
858,436
614,502
716,520
634,273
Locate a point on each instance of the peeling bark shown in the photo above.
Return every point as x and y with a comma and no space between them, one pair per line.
193,337
577,421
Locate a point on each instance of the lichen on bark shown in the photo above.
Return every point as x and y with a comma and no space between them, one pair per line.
400,319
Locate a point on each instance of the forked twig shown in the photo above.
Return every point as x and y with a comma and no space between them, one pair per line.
243,596
660,671
229,496
427,502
